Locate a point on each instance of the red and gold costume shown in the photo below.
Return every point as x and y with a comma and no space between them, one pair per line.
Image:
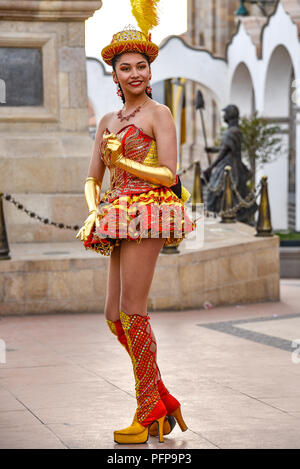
133,208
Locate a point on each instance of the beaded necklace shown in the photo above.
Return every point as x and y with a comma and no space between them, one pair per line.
122,118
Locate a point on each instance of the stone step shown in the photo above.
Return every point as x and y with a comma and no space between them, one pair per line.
232,267
289,262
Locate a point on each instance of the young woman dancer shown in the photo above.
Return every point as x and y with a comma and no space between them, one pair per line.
138,145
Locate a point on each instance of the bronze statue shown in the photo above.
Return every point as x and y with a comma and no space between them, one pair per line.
229,154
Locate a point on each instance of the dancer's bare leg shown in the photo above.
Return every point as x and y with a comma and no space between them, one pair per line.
147,258
139,262
137,266
137,270
113,291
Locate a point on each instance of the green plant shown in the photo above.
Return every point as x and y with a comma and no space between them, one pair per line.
260,142
288,235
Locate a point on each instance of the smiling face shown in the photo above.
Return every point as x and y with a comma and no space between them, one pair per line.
133,73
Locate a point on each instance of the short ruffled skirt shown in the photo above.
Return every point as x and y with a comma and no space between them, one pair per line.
157,213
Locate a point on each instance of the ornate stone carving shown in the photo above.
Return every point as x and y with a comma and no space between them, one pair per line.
45,10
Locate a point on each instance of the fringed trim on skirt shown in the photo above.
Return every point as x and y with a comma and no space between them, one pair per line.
157,213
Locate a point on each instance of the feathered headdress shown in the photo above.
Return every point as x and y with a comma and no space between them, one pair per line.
132,40
146,14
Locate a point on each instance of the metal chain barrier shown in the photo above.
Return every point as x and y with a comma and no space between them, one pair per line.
243,202
31,214
218,188
247,202
251,194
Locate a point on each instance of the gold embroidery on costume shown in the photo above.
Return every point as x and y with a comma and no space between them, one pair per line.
133,208
137,146
143,360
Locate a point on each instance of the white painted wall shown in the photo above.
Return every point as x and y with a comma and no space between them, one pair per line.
101,89
176,59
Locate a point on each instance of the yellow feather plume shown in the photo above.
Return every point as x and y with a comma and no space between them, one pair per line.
145,13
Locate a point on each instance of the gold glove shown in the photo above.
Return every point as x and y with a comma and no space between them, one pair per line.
155,174
92,190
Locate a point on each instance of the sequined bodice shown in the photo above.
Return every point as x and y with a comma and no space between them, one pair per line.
137,146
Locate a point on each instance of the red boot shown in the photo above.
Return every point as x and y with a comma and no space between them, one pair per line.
150,407
171,403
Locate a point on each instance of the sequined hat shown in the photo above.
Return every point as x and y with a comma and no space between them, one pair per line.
130,40
133,40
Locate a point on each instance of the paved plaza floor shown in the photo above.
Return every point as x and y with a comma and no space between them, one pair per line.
67,382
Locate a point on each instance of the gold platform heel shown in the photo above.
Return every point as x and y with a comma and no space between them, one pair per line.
178,416
137,433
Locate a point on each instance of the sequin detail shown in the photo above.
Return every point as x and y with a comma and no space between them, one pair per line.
138,147
129,40
143,360
133,208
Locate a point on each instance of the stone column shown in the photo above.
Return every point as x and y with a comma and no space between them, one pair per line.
225,24
189,103
191,21
45,144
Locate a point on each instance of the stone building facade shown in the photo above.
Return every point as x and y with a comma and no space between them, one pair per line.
211,25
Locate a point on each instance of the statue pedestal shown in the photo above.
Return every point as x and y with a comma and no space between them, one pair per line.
45,144
232,267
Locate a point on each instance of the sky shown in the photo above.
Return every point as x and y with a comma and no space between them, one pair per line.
116,14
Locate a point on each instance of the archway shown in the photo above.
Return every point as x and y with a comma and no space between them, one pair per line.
241,90
280,109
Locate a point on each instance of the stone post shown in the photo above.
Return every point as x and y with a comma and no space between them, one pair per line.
45,144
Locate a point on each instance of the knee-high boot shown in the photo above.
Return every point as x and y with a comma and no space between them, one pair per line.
171,403
150,407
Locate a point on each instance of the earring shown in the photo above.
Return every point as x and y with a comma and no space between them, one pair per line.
148,89
119,91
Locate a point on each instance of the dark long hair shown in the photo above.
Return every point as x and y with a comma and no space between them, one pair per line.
114,62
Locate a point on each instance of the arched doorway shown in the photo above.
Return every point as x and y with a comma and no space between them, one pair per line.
241,90
280,109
